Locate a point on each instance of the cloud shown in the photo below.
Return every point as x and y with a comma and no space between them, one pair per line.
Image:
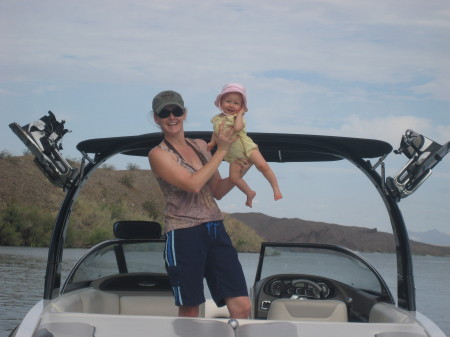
8,93
437,88
40,90
354,68
389,128
358,41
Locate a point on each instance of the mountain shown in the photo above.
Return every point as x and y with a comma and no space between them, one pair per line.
29,204
433,237
134,194
22,181
356,238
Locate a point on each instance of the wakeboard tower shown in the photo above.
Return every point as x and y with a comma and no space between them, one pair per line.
43,138
424,154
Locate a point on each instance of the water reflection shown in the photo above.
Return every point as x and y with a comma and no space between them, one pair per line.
22,273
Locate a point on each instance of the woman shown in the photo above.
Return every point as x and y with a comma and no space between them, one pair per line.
197,244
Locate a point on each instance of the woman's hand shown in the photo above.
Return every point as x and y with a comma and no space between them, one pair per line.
225,137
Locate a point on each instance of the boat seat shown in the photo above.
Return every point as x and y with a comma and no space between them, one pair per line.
87,301
94,301
73,329
213,311
308,310
283,329
387,313
148,305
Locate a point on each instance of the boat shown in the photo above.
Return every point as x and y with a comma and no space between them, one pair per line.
120,286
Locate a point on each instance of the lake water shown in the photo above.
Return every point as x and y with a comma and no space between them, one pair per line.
22,272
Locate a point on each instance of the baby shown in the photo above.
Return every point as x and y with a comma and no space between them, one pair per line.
232,102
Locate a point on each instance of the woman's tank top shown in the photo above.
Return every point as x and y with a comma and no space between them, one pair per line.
187,209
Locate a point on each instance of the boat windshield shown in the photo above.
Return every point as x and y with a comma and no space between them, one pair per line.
328,263
118,258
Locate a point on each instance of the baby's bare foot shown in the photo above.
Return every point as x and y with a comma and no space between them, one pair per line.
250,197
277,196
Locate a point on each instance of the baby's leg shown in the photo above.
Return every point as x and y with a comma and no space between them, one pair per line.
235,178
262,166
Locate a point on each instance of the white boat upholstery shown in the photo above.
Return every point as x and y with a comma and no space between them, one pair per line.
213,311
94,301
140,326
144,326
87,301
148,305
282,329
308,310
398,334
65,330
386,313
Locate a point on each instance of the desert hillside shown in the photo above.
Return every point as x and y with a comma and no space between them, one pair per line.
29,204
356,238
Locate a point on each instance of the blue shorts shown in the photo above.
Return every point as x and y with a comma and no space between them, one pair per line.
203,251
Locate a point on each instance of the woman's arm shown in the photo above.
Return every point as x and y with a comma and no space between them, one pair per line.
221,186
164,165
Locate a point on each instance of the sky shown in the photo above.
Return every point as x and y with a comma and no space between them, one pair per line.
353,68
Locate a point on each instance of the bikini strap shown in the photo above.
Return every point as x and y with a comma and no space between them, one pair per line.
200,155
197,152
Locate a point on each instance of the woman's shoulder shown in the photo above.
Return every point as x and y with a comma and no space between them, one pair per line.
157,149
197,142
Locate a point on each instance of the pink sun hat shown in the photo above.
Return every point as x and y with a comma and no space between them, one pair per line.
232,87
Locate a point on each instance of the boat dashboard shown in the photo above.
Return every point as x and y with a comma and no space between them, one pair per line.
295,286
287,286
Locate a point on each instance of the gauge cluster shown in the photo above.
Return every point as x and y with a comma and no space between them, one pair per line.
287,287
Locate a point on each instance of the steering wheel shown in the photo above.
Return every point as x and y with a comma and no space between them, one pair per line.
311,283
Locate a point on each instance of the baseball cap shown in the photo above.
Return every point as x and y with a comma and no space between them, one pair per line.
165,98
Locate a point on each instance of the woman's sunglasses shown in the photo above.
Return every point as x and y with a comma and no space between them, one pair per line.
176,112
